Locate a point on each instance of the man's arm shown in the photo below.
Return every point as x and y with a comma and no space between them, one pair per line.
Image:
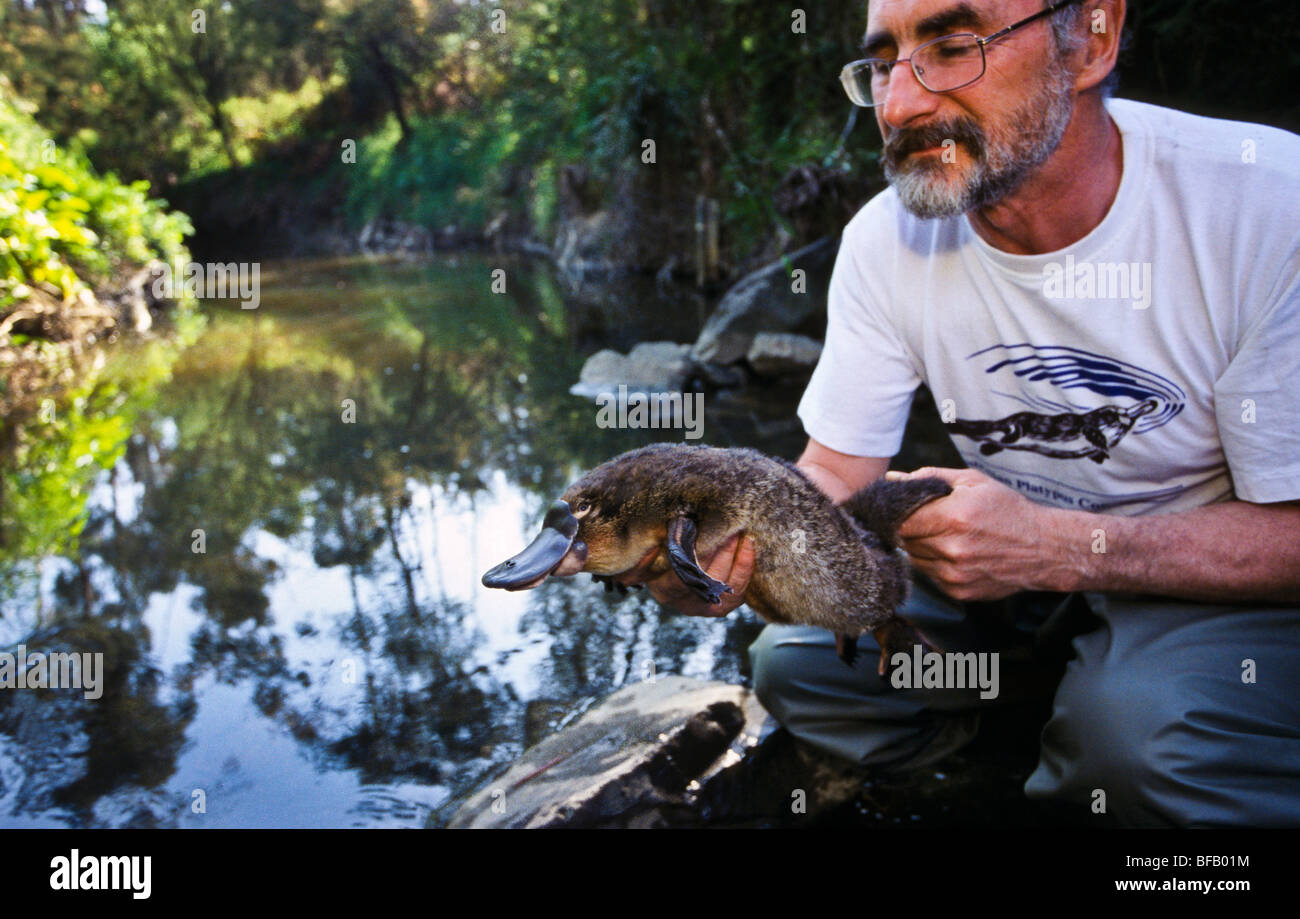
986,541
839,474
1226,552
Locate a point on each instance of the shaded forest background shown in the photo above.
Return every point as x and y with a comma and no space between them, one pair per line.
509,119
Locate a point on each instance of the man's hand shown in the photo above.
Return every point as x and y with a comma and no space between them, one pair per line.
984,541
733,564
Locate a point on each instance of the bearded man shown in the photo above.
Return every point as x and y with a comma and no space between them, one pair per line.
1104,298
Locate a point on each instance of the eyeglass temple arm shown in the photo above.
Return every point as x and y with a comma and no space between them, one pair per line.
1061,4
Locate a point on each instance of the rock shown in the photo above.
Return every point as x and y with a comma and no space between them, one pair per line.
384,236
633,220
644,756
722,376
766,301
133,306
659,361
654,366
416,239
775,354
540,718
588,245
606,366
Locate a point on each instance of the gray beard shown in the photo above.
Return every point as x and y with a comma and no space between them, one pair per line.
1000,164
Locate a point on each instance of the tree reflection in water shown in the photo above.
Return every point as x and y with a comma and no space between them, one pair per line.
336,603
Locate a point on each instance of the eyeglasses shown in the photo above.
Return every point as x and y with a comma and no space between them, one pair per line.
941,65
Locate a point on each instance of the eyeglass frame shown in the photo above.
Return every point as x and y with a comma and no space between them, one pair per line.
979,43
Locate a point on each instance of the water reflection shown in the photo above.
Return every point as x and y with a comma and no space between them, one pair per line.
282,528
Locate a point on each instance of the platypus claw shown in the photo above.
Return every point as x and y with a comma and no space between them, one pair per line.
611,584
898,636
681,556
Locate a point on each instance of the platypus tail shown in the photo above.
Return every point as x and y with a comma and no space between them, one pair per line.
883,505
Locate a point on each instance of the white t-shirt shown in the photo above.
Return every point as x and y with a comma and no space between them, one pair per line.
1153,366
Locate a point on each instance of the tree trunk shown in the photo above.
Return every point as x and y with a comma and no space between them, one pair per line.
388,75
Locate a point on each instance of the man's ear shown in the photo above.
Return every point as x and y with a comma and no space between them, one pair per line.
1103,23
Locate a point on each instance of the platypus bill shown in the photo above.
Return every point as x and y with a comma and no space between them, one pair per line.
816,563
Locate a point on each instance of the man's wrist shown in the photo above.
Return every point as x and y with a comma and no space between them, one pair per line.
1075,547
825,479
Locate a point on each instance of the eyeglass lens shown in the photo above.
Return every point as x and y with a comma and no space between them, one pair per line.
942,65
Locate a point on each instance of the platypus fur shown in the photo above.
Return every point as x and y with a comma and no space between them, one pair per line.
816,563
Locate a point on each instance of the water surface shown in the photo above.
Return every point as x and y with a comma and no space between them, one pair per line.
275,533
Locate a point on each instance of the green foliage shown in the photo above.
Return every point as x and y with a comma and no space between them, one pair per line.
47,482
458,120
57,453
62,226
1220,55
446,172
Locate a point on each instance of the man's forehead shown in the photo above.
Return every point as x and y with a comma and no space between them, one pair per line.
889,21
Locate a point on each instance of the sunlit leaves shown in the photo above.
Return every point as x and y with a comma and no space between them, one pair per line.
62,226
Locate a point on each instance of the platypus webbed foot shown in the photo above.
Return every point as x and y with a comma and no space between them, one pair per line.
897,636
681,556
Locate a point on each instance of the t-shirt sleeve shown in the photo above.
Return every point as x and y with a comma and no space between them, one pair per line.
1257,401
858,399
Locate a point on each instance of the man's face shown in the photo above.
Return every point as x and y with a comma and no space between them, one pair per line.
1004,126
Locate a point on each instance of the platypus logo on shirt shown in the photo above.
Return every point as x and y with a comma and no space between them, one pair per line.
1065,436
1136,401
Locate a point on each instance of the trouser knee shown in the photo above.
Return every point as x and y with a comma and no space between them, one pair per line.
851,712
1159,721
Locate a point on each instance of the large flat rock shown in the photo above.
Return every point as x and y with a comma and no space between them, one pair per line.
646,752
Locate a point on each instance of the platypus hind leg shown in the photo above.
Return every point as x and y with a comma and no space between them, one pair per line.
846,647
897,636
681,555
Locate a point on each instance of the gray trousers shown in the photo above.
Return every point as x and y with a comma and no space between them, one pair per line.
1169,713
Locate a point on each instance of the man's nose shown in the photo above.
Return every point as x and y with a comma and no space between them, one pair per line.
906,98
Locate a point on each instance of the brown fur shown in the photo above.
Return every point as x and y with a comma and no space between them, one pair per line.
815,563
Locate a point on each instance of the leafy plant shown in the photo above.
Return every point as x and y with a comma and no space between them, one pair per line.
64,227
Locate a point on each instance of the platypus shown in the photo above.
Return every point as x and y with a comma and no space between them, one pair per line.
816,563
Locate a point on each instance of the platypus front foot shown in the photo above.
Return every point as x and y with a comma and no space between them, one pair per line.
681,556
610,583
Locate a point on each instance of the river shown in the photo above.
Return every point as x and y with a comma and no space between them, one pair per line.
274,534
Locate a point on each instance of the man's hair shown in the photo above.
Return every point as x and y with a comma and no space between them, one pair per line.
1067,29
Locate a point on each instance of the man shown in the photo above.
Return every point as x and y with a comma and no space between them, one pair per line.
1104,299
